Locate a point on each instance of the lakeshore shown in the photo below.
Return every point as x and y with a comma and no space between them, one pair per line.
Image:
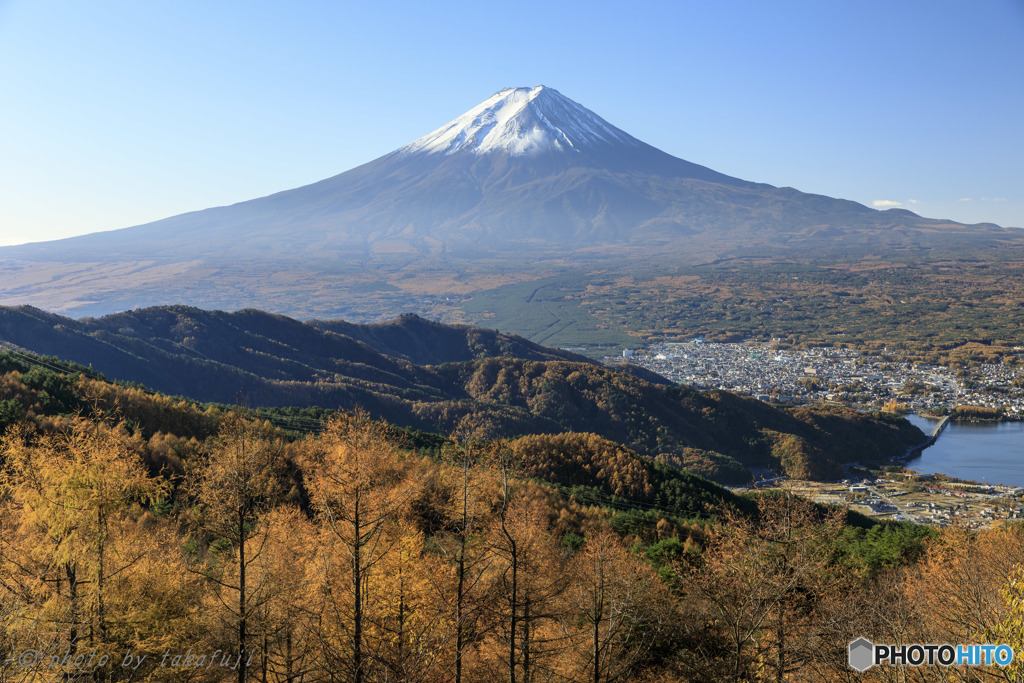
991,452
971,474
931,502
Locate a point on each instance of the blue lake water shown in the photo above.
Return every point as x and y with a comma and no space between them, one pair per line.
991,452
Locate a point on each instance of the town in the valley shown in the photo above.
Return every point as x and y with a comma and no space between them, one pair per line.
833,374
848,376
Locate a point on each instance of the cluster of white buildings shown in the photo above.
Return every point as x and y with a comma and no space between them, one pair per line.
828,374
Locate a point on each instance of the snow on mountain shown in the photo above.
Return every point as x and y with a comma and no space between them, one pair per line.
522,121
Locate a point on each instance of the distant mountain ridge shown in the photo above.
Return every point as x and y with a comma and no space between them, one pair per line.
503,385
426,342
162,347
527,176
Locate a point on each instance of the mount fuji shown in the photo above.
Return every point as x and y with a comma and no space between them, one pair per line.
526,176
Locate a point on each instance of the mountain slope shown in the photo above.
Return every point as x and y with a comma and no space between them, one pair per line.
527,176
224,357
261,359
426,342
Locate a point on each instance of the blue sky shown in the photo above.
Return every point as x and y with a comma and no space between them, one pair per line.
118,113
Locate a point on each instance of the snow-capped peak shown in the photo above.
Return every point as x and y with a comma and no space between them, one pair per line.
522,121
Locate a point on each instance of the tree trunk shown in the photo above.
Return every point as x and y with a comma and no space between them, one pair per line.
597,648
288,664
526,639
514,597
101,617
780,635
71,573
460,596
241,596
357,587
512,621
265,658
401,622
458,608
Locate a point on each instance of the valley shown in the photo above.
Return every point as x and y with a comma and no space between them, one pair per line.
950,312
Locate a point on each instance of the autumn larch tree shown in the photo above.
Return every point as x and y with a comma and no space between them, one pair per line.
614,605
235,485
358,485
760,580
74,489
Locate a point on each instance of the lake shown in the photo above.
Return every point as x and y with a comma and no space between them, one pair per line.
991,452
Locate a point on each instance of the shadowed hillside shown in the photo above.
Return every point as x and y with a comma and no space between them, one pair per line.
426,342
258,359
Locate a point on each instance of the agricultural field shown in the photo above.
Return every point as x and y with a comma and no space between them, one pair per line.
948,312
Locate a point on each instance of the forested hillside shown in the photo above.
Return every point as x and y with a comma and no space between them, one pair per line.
213,546
425,342
47,394
503,385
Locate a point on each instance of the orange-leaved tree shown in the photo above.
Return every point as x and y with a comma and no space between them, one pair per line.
234,487
615,610
75,494
359,484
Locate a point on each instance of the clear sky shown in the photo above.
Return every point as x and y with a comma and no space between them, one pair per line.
119,112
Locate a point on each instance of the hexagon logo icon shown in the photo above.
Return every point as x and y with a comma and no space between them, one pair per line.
862,654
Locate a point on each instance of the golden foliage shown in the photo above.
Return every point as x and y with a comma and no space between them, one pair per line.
586,459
